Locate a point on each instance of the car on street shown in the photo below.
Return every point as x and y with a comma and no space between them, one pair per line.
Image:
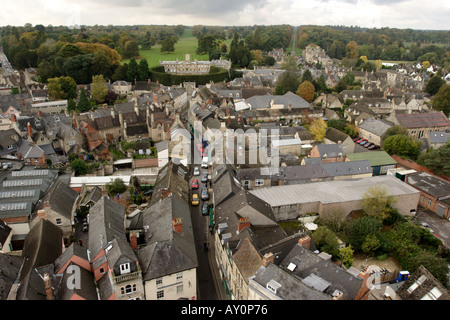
195,200
194,184
196,171
205,209
85,226
373,147
205,177
368,144
205,194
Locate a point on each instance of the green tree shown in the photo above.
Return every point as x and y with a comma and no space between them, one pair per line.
131,49
116,186
307,76
99,89
79,167
441,101
402,146
83,104
326,241
376,202
346,254
62,88
143,70
437,160
434,84
168,45
358,229
132,71
395,130
371,244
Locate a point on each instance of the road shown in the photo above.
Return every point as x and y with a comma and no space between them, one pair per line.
209,286
437,225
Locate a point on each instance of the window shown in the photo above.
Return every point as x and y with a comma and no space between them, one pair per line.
422,198
58,222
429,202
160,294
179,289
125,268
158,281
259,182
179,275
102,271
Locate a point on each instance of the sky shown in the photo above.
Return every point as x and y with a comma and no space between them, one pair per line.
414,14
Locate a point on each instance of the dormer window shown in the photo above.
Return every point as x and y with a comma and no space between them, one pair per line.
125,268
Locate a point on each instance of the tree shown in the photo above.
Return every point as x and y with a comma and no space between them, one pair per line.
111,97
61,88
116,186
132,71
306,90
83,104
371,244
321,84
79,166
346,255
131,49
376,203
358,229
394,130
434,84
351,50
99,89
441,101
143,70
337,50
307,76
326,241
437,160
208,43
402,146
318,129
168,45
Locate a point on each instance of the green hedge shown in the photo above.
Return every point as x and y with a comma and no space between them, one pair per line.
167,79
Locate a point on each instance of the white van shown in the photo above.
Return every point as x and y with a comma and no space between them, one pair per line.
205,162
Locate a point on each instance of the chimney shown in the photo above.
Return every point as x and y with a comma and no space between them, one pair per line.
244,223
178,225
228,111
30,130
268,258
168,133
305,242
133,240
23,102
48,286
155,98
40,114
165,193
13,118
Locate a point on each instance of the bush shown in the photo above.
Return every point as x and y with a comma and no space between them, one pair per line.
116,186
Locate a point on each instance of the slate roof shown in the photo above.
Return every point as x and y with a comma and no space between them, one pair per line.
9,270
247,259
315,271
61,199
290,287
423,120
174,178
336,135
376,126
167,251
43,245
331,150
439,137
428,183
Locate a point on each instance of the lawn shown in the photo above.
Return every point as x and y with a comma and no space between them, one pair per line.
186,44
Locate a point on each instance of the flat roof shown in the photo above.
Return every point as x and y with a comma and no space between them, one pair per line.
376,158
96,181
330,191
428,183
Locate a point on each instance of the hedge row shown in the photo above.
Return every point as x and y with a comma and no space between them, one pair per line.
167,79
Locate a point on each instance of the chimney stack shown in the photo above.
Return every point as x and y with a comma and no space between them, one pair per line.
48,287
13,118
244,223
30,130
133,240
305,242
40,114
268,258
178,225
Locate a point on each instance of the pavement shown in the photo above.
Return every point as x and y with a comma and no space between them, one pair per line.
439,226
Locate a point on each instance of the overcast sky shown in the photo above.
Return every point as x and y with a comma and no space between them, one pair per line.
415,14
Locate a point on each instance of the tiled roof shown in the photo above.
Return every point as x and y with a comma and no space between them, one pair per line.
423,120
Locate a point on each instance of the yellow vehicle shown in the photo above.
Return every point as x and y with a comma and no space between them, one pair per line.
195,200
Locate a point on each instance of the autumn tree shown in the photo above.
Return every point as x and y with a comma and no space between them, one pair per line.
306,90
351,50
99,89
62,88
318,129
346,254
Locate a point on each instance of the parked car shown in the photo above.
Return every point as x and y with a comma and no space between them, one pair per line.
355,139
205,194
373,147
363,142
85,226
359,140
368,144
196,171
194,184
205,177
195,200
205,209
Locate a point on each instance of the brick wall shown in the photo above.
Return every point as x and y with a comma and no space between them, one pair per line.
415,166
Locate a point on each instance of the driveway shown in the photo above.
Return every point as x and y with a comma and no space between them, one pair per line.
437,225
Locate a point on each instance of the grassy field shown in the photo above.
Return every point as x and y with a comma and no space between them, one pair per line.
186,44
